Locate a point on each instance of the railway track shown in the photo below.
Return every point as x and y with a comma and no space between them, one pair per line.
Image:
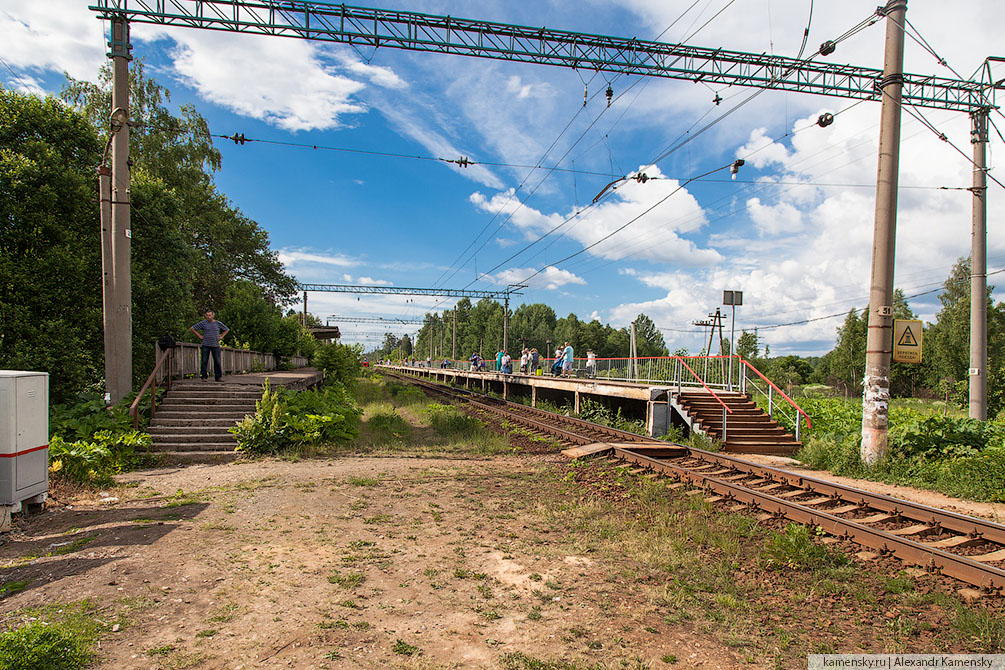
969,549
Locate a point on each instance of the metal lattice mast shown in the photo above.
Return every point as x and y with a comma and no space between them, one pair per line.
400,290
413,31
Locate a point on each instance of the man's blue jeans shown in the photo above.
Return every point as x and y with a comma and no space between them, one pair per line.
217,367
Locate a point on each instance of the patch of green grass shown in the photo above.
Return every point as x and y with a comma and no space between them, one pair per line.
57,636
669,659
224,613
209,632
379,518
347,580
166,650
40,645
10,588
181,499
982,628
520,661
796,549
453,424
363,481
403,648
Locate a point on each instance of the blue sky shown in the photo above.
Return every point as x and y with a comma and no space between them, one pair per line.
799,249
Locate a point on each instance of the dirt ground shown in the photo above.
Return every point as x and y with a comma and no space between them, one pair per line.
519,561
330,564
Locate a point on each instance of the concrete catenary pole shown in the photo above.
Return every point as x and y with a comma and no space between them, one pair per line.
119,373
879,343
979,271
453,348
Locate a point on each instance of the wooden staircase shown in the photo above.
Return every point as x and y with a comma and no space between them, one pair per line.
749,430
192,422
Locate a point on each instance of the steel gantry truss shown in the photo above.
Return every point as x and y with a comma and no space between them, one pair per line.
400,290
505,294
413,31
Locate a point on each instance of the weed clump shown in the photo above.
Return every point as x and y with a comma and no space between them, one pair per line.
794,548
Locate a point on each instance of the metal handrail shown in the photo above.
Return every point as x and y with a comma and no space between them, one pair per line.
792,402
151,383
705,386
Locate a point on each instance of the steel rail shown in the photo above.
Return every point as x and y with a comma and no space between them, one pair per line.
962,568
971,570
958,523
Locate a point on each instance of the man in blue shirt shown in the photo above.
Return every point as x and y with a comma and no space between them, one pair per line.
211,332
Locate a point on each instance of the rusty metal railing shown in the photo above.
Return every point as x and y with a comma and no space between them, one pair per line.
151,383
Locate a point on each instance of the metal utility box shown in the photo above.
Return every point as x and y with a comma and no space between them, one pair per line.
24,439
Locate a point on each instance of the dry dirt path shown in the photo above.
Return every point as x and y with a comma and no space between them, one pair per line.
517,562
332,563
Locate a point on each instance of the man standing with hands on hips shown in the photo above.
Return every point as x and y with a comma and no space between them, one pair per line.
213,332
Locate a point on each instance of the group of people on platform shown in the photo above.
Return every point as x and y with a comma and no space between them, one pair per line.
531,362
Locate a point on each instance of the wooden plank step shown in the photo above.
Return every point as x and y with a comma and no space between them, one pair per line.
582,451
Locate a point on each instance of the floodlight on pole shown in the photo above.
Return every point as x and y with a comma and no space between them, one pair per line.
732,299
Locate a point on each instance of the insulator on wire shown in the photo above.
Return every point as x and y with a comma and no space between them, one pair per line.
641,177
828,47
238,138
717,99
609,94
735,167
586,90
825,120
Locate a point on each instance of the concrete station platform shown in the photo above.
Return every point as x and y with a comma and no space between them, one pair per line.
634,397
747,429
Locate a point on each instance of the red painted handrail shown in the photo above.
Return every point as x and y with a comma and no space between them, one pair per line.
702,382
772,384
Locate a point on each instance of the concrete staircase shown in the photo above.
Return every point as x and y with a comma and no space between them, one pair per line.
191,423
749,430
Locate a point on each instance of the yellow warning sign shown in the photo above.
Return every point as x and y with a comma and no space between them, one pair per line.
907,339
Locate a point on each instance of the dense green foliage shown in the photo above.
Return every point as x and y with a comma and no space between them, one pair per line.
955,455
341,363
50,290
192,250
287,419
89,443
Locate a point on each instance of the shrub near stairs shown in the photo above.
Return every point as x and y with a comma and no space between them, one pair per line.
287,419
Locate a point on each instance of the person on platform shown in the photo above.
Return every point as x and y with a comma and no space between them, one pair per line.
567,358
211,332
499,357
591,364
535,361
506,363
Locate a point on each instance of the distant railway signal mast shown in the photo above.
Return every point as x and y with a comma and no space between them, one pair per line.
413,31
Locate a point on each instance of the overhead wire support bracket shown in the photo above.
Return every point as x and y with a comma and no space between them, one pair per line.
414,31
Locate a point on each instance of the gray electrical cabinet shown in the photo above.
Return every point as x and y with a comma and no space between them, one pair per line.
24,441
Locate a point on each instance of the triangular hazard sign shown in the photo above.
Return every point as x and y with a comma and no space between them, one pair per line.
907,339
